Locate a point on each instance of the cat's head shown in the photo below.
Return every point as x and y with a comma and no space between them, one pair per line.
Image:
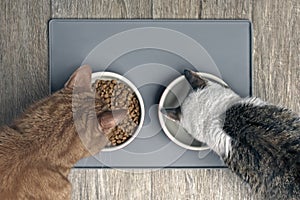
92,119
53,124
207,101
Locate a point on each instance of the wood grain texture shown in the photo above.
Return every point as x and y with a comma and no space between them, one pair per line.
179,9
101,9
208,184
226,9
110,184
276,72
23,55
276,52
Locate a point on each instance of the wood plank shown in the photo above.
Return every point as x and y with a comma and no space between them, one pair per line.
110,184
181,9
209,184
276,52
23,55
226,9
101,9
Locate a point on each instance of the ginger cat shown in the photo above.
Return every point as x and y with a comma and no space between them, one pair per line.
40,147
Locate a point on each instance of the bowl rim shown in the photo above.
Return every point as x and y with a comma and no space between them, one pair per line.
162,100
104,75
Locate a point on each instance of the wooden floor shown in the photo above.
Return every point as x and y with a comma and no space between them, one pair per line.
24,72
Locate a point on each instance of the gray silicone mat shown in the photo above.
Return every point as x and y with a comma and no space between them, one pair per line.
151,53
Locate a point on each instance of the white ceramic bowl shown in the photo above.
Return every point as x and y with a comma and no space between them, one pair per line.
173,96
110,76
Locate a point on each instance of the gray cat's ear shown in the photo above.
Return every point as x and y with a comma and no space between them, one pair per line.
81,79
173,114
194,79
110,119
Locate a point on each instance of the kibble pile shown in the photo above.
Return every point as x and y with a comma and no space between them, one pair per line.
118,95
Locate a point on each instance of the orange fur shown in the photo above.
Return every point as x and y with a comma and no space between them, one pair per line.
39,148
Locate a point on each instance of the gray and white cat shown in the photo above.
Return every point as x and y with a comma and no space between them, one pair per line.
258,141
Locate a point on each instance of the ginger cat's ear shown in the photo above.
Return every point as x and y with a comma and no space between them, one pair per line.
80,79
110,119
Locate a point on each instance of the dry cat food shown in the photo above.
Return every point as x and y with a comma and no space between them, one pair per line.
118,95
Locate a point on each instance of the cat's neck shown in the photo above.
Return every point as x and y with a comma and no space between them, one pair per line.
218,139
205,120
